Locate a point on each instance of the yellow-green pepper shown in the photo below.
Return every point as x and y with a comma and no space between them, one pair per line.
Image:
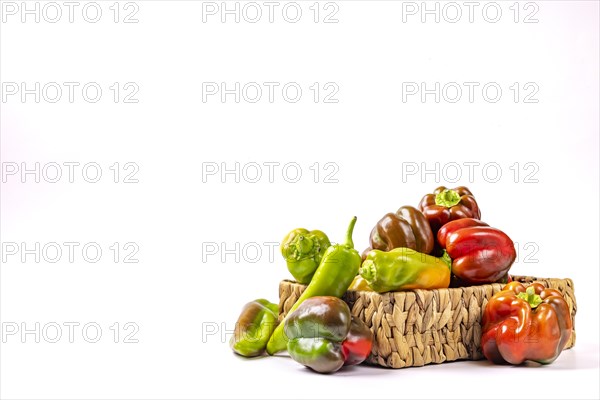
404,269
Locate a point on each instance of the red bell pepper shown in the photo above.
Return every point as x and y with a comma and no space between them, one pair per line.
445,205
479,253
455,225
525,323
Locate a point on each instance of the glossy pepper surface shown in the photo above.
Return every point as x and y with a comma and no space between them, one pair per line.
525,323
480,254
445,205
453,226
324,336
404,269
338,268
408,227
254,328
359,283
303,251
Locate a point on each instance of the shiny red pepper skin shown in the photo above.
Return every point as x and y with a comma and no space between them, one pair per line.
480,254
519,326
455,225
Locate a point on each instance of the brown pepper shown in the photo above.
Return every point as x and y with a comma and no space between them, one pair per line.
408,228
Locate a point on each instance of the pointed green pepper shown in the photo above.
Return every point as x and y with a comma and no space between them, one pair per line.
336,271
405,269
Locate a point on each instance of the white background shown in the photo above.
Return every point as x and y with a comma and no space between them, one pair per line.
179,218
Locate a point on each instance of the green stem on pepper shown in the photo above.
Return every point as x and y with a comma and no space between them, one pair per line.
348,242
530,297
447,198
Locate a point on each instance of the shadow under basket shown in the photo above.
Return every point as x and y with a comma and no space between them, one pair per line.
420,327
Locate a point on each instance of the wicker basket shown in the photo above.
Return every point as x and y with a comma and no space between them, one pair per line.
421,327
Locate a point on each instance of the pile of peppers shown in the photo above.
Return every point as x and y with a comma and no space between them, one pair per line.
440,243
319,331
429,247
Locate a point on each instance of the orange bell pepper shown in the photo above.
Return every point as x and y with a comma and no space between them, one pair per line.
525,323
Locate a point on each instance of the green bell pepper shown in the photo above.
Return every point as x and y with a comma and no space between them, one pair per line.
324,336
303,251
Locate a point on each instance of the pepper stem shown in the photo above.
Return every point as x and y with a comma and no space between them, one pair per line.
349,242
304,245
368,270
447,198
446,259
530,297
